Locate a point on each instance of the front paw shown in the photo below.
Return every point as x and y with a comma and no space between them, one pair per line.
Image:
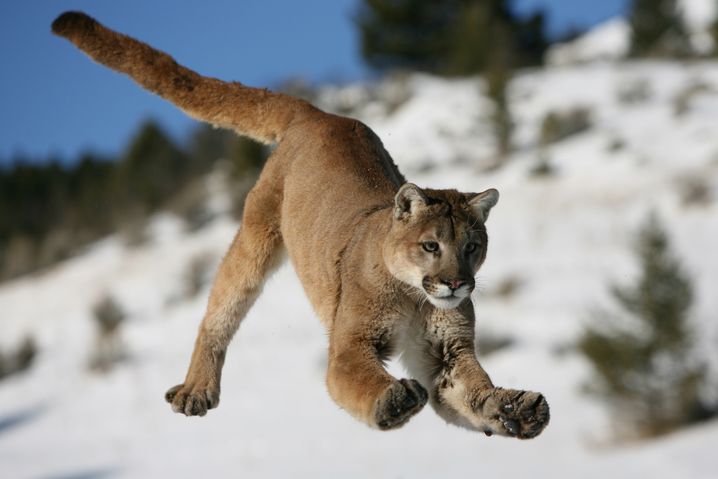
508,412
192,399
399,403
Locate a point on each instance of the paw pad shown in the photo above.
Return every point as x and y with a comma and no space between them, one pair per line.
192,401
399,403
512,413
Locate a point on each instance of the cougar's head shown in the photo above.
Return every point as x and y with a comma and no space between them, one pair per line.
437,241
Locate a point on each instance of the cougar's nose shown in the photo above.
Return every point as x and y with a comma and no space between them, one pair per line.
455,284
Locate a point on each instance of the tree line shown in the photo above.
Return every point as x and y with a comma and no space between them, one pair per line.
50,208
464,37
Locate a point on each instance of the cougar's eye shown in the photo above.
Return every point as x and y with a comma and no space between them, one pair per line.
430,246
471,247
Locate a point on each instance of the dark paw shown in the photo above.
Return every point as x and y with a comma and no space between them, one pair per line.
399,403
521,414
192,401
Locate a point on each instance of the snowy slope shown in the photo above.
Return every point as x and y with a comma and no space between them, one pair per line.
611,39
608,41
564,237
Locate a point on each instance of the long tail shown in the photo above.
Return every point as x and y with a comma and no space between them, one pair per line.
256,113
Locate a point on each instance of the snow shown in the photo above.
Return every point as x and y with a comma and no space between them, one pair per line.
566,237
698,14
610,40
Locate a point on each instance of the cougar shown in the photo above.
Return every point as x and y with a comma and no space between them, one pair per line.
388,266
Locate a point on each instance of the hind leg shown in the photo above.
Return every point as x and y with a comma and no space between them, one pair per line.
255,251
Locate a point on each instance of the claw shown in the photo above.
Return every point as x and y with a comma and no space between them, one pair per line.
212,400
172,392
399,403
188,405
511,426
538,401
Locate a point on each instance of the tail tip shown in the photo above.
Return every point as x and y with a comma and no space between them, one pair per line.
69,22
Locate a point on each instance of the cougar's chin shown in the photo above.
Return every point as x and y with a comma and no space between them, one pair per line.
449,302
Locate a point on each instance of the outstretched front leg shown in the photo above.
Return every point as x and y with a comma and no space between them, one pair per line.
356,377
460,391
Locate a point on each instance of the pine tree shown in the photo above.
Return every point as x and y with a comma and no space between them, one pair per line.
404,33
152,168
498,79
713,32
642,357
657,29
207,145
452,37
245,156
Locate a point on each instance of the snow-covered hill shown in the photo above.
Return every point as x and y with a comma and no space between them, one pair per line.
561,238
611,39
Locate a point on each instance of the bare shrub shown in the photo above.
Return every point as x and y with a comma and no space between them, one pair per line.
695,190
559,125
634,92
498,81
683,100
488,343
191,205
508,287
198,274
616,145
18,360
542,168
108,316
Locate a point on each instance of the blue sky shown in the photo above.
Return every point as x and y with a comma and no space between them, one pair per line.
55,101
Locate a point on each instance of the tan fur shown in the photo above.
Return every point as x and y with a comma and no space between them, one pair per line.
361,242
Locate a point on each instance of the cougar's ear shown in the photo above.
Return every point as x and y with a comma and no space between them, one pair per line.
408,199
481,203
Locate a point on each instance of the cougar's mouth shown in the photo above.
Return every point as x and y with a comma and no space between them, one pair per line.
444,297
